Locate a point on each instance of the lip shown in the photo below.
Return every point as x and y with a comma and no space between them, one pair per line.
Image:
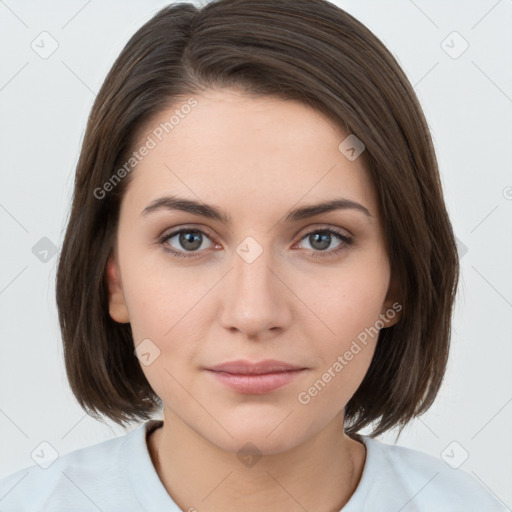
244,367
255,378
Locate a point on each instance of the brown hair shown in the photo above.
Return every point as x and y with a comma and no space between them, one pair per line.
306,50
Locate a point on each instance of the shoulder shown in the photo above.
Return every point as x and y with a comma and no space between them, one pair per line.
412,480
81,477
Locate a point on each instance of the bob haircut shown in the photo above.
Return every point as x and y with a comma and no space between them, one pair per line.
310,51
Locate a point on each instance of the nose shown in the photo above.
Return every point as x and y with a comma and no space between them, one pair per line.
255,298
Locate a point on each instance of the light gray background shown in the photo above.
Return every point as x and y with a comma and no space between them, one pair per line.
44,104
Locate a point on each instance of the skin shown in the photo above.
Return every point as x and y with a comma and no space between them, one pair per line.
255,159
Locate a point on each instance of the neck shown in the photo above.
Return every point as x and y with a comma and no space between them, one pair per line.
320,474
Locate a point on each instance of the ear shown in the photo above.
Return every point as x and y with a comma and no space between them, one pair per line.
392,306
117,305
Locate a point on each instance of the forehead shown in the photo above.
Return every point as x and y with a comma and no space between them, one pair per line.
253,151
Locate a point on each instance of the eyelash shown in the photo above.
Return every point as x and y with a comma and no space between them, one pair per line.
345,242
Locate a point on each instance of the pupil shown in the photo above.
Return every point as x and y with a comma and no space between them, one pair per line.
190,240
325,240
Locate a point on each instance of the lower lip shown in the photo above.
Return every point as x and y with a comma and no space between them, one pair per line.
256,384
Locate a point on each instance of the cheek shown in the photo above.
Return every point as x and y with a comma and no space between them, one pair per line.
345,354
166,311
355,313
346,302
347,307
161,298
170,308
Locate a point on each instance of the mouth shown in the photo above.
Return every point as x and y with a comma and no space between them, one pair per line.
255,378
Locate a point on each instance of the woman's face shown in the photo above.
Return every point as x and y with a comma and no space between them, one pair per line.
259,283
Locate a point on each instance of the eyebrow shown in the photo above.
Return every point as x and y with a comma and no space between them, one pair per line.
214,213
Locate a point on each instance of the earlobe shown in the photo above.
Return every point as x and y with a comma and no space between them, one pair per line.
392,308
391,313
117,305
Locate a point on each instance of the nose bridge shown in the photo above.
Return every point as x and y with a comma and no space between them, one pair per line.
253,281
255,299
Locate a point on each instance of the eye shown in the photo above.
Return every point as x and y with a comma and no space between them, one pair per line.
187,240
321,239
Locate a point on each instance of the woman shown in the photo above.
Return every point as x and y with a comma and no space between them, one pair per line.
259,250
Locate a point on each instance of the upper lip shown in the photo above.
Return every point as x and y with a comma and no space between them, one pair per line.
254,368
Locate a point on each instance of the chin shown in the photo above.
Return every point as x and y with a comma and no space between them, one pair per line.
250,442
270,435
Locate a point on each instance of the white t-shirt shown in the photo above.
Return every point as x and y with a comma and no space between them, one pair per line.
117,475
